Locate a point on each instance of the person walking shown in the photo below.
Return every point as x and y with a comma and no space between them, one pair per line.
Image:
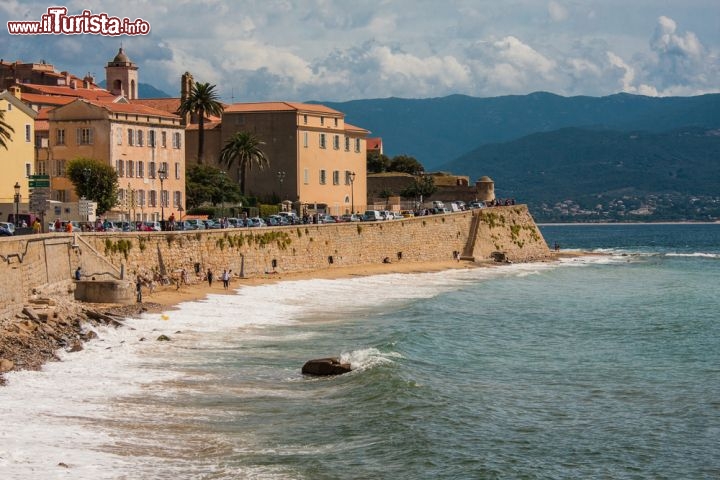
138,289
225,279
209,277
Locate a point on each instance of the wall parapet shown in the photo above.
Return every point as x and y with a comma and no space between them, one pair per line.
34,261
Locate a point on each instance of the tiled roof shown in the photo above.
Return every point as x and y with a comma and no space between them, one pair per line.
355,129
170,105
134,108
87,93
38,99
374,143
280,107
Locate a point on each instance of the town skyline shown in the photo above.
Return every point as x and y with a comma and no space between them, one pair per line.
334,51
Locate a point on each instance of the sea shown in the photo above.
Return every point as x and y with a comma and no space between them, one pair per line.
602,365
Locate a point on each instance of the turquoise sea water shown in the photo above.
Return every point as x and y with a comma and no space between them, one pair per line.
594,367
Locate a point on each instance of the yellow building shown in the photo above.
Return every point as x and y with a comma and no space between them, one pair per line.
138,141
18,159
316,160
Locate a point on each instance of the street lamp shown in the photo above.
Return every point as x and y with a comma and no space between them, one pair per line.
351,176
17,203
162,175
180,211
281,176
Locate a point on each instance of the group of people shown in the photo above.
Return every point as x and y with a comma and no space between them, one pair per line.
225,277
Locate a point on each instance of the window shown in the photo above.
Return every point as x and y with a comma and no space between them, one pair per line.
177,170
140,139
151,169
177,198
164,167
141,198
357,144
336,177
164,198
347,177
163,139
323,177
151,138
322,120
41,167
9,107
60,136
153,198
130,168
336,122
140,169
336,142
121,196
28,169
28,133
131,137
305,119
59,168
306,176
305,139
176,140
84,136
118,136
322,140
120,168
347,144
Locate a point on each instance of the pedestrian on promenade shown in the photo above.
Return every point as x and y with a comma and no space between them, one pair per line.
225,279
209,277
138,289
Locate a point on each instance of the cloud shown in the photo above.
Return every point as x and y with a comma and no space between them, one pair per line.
557,11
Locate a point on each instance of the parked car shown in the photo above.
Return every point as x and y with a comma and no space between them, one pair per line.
372,216
407,213
327,219
9,226
351,217
154,226
477,204
195,224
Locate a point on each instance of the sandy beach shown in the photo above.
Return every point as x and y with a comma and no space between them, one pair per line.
167,296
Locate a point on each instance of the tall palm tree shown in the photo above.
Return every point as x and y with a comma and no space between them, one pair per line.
5,131
243,148
202,100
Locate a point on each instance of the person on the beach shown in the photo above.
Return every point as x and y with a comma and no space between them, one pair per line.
138,289
225,279
184,276
209,277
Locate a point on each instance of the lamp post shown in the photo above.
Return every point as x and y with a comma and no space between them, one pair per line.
17,203
162,175
281,177
180,211
351,177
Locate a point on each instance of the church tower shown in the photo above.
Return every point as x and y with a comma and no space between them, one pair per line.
121,76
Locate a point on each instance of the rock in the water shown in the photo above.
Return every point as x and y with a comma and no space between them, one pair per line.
325,366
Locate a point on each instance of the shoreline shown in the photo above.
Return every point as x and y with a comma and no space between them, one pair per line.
51,325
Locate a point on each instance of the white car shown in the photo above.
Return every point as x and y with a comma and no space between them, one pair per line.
8,226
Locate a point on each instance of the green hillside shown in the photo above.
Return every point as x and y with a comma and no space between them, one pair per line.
594,174
438,130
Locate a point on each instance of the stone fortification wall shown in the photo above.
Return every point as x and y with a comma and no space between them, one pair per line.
48,261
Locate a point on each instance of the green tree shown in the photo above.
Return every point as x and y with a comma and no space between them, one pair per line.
202,100
406,164
422,186
243,149
207,184
377,162
95,181
5,131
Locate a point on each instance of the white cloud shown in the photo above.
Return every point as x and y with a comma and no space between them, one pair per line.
557,11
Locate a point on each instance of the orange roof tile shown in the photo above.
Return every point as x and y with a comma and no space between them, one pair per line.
87,93
170,105
374,143
280,107
40,99
355,129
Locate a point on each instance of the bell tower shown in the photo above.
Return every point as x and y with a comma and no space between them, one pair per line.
121,76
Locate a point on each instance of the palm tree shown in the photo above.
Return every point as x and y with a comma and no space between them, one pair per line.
201,101
243,148
5,131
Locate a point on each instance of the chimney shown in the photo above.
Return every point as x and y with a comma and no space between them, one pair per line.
88,81
15,91
73,84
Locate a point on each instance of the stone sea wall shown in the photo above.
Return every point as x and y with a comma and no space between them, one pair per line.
44,264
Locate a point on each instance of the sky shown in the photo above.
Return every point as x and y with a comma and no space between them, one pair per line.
340,50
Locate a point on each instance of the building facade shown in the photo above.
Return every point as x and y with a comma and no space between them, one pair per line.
19,158
316,160
138,141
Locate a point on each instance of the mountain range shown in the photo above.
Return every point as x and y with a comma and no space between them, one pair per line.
619,157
